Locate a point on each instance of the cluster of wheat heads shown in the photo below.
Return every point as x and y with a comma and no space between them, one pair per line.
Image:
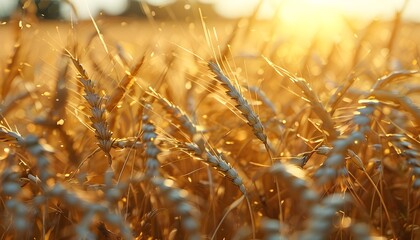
188,142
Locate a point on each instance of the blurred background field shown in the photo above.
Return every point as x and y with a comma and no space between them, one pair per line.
358,108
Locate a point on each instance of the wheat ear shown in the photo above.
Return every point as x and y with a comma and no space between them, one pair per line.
52,189
125,84
176,112
412,153
334,164
404,102
132,142
57,190
11,187
149,136
271,229
361,231
96,103
295,179
263,97
321,220
9,136
176,198
242,104
217,162
393,76
12,67
10,102
312,99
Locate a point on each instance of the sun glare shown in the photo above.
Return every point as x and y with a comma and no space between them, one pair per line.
310,16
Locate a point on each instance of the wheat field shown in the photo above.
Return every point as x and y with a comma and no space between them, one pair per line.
121,128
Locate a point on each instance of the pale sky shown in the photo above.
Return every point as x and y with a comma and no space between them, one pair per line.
368,9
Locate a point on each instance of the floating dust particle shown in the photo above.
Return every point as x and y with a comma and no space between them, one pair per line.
60,122
30,127
345,222
188,85
241,135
